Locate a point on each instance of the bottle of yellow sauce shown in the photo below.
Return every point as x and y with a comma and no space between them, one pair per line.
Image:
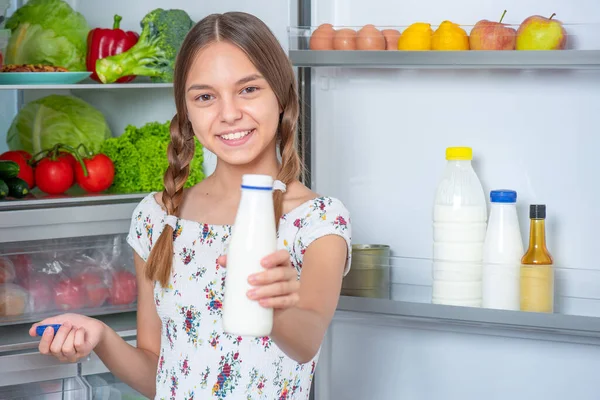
537,272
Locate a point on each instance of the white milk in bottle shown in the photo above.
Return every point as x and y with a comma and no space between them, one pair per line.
502,252
253,237
459,228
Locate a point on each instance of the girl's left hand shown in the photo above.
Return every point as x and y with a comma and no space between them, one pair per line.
277,286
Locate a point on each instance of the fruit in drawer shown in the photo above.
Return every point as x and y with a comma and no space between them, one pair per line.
69,294
541,33
416,37
490,35
7,270
322,38
370,38
123,289
449,36
41,294
96,289
13,300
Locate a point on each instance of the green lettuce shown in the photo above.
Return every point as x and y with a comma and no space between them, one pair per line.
140,159
54,119
48,32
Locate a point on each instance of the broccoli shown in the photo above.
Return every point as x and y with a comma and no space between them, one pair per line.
154,54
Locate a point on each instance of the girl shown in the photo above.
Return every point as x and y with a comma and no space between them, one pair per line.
235,91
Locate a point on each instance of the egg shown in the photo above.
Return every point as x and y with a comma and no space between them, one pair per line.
370,38
391,38
345,39
322,38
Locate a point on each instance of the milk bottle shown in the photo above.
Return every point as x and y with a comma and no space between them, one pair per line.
502,252
253,237
459,228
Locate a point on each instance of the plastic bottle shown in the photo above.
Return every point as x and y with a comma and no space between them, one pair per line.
502,252
253,237
459,228
537,272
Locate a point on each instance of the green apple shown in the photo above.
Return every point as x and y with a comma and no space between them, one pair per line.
540,33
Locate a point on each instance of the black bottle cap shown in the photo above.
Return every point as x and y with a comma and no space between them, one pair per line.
537,211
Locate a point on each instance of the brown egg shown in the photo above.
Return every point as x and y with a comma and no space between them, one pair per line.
391,38
322,38
370,38
345,39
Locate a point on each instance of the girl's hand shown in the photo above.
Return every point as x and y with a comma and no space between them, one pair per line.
74,340
278,286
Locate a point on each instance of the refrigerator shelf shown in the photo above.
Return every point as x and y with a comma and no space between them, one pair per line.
564,59
89,86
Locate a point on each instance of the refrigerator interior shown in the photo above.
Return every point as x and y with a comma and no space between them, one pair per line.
379,137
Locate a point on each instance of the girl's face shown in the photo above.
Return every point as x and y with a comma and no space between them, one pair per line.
232,108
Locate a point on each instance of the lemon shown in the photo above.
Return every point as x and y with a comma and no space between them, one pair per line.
449,36
416,37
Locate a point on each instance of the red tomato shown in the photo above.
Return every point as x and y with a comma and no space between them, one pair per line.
70,158
25,170
101,173
69,294
54,176
95,289
124,289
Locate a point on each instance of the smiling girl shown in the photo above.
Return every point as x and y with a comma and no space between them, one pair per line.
235,91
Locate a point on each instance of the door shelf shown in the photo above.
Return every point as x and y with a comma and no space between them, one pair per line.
570,328
563,59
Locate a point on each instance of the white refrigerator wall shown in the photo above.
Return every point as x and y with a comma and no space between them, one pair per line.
379,137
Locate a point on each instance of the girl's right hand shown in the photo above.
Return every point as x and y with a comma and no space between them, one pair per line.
74,340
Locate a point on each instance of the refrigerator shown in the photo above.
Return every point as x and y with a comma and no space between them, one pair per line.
373,131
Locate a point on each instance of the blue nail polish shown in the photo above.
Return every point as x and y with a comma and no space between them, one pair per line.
40,329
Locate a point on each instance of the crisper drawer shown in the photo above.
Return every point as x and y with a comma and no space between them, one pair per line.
64,217
90,275
95,387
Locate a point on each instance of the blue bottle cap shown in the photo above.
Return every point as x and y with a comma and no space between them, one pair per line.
39,330
503,196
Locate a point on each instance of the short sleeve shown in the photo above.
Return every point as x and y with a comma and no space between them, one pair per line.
325,216
141,230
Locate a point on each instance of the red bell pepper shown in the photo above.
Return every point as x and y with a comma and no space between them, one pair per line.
104,43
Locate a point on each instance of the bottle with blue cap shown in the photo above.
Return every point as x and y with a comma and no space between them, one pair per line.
502,252
253,237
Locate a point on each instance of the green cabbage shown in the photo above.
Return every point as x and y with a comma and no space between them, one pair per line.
54,119
48,32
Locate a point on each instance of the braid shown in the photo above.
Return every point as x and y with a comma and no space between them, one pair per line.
180,153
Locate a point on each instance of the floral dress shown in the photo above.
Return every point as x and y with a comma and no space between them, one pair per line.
198,360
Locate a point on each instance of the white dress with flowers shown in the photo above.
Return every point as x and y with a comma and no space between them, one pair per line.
197,359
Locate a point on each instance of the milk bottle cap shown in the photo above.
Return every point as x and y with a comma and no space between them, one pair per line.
503,196
459,153
257,182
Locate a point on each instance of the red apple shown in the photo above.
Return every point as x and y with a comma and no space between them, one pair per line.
541,33
69,294
124,288
96,289
490,35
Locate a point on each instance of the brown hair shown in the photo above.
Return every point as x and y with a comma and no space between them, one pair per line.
263,49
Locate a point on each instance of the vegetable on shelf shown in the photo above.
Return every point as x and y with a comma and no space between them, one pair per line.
104,43
53,119
99,172
17,187
140,158
8,169
47,32
21,158
154,54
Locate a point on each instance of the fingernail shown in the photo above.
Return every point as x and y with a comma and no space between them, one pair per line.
252,293
252,279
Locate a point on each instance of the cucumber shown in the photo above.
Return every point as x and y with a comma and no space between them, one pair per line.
8,169
3,189
17,187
